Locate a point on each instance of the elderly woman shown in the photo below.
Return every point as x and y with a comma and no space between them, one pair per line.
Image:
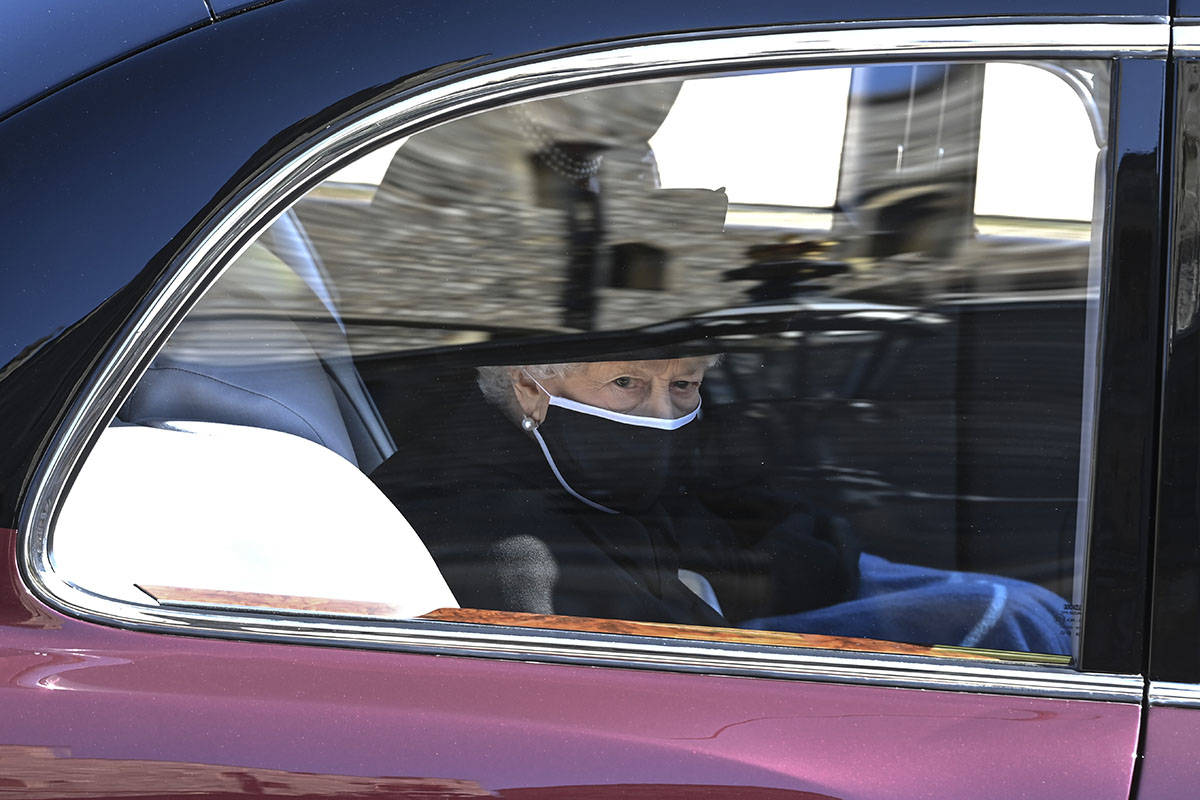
568,494
578,490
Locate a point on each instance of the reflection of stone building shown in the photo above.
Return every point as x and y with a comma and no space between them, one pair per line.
471,227
471,230
51,773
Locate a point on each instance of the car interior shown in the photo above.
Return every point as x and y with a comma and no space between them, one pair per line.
913,366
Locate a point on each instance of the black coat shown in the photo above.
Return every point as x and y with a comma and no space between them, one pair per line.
507,536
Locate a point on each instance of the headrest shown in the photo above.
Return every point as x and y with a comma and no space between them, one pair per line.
208,506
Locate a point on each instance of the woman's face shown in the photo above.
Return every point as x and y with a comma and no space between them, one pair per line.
666,389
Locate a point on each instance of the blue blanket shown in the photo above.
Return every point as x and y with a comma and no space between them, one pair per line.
921,605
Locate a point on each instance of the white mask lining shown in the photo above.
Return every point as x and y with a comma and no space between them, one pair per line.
617,416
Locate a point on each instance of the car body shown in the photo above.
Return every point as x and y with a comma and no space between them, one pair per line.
145,146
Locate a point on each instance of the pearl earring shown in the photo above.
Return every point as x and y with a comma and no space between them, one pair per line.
528,425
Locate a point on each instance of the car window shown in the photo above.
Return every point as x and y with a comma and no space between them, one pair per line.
799,351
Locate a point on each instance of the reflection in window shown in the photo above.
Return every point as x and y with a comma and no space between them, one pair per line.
359,179
1037,147
604,362
772,155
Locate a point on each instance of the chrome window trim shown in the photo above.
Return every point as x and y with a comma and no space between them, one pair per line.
1185,38
642,652
1167,694
482,88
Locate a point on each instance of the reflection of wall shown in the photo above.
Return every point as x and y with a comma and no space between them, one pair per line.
458,235
461,235
52,773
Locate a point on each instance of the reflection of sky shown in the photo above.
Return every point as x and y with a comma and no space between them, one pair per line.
771,139
776,139
1037,154
370,168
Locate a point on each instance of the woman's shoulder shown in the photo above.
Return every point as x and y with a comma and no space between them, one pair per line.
469,442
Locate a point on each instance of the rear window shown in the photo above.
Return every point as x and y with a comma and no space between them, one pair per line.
795,353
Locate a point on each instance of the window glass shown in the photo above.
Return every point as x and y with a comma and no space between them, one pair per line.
778,155
742,351
1037,144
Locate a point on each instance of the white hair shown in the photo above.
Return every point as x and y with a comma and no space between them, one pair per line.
496,383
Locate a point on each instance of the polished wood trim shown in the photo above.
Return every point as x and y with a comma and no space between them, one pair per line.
734,635
218,598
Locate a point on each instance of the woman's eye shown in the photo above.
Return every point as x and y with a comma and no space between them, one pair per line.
623,382
687,386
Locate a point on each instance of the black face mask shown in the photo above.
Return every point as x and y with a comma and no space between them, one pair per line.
611,461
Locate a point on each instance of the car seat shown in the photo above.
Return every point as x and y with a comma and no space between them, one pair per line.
266,348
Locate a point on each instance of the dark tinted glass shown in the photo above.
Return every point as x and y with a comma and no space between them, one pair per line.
802,351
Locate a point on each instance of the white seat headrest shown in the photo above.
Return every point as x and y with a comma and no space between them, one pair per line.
208,506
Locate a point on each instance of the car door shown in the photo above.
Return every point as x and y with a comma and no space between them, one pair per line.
1171,720
931,340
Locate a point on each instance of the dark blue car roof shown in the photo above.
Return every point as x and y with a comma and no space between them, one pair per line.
45,44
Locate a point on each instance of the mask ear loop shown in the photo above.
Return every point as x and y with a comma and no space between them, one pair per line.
530,426
563,481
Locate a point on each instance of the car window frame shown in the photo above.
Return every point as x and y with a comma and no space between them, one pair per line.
1173,662
219,243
